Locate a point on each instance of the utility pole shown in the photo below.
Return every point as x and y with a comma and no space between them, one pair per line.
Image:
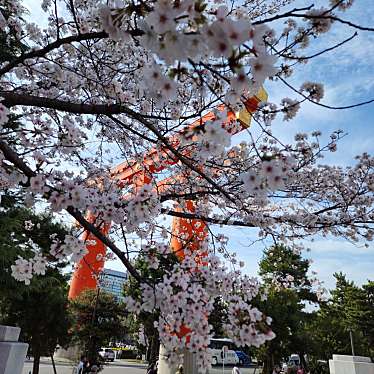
92,350
352,345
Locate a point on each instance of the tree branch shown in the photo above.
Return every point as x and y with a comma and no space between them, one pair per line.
215,221
12,156
299,58
50,47
12,99
325,105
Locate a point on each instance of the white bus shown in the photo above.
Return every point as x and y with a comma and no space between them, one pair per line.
216,347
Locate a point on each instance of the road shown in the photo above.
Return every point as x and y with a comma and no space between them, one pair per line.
120,368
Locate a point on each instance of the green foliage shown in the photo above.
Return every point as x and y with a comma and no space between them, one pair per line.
16,240
11,45
279,262
129,354
285,305
218,318
98,320
350,308
366,323
318,366
146,320
40,309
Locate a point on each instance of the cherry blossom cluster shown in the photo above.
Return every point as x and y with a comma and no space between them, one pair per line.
161,88
4,112
183,30
141,206
211,140
342,5
24,269
185,295
108,82
9,177
71,247
272,175
144,207
14,21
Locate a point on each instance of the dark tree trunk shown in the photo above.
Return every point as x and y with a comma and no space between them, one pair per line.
92,355
303,362
53,364
153,348
268,364
35,367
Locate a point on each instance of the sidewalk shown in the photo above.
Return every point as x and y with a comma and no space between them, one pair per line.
58,361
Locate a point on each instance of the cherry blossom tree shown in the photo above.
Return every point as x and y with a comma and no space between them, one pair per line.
105,82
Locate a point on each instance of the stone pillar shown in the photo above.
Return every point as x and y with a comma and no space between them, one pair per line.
164,366
12,353
188,359
72,353
189,363
341,364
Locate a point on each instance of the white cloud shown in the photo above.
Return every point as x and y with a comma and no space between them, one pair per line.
334,246
358,270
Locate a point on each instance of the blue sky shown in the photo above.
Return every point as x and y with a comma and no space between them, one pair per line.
348,76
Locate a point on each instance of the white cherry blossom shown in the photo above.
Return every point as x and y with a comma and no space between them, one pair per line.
22,270
149,86
262,67
4,112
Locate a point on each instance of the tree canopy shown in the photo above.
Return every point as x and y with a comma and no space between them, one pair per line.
98,320
160,88
349,309
290,289
40,308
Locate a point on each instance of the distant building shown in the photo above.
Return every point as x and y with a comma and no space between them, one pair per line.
112,281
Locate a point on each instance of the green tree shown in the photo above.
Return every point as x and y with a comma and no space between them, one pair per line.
285,277
10,42
145,320
366,324
218,318
98,320
349,309
285,265
40,309
16,239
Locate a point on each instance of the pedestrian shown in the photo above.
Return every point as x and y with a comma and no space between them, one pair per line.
235,370
152,368
94,369
284,368
180,370
82,366
300,370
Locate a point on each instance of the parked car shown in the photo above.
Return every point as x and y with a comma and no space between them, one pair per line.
244,359
107,354
294,360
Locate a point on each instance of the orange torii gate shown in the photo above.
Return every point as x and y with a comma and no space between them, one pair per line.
192,231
